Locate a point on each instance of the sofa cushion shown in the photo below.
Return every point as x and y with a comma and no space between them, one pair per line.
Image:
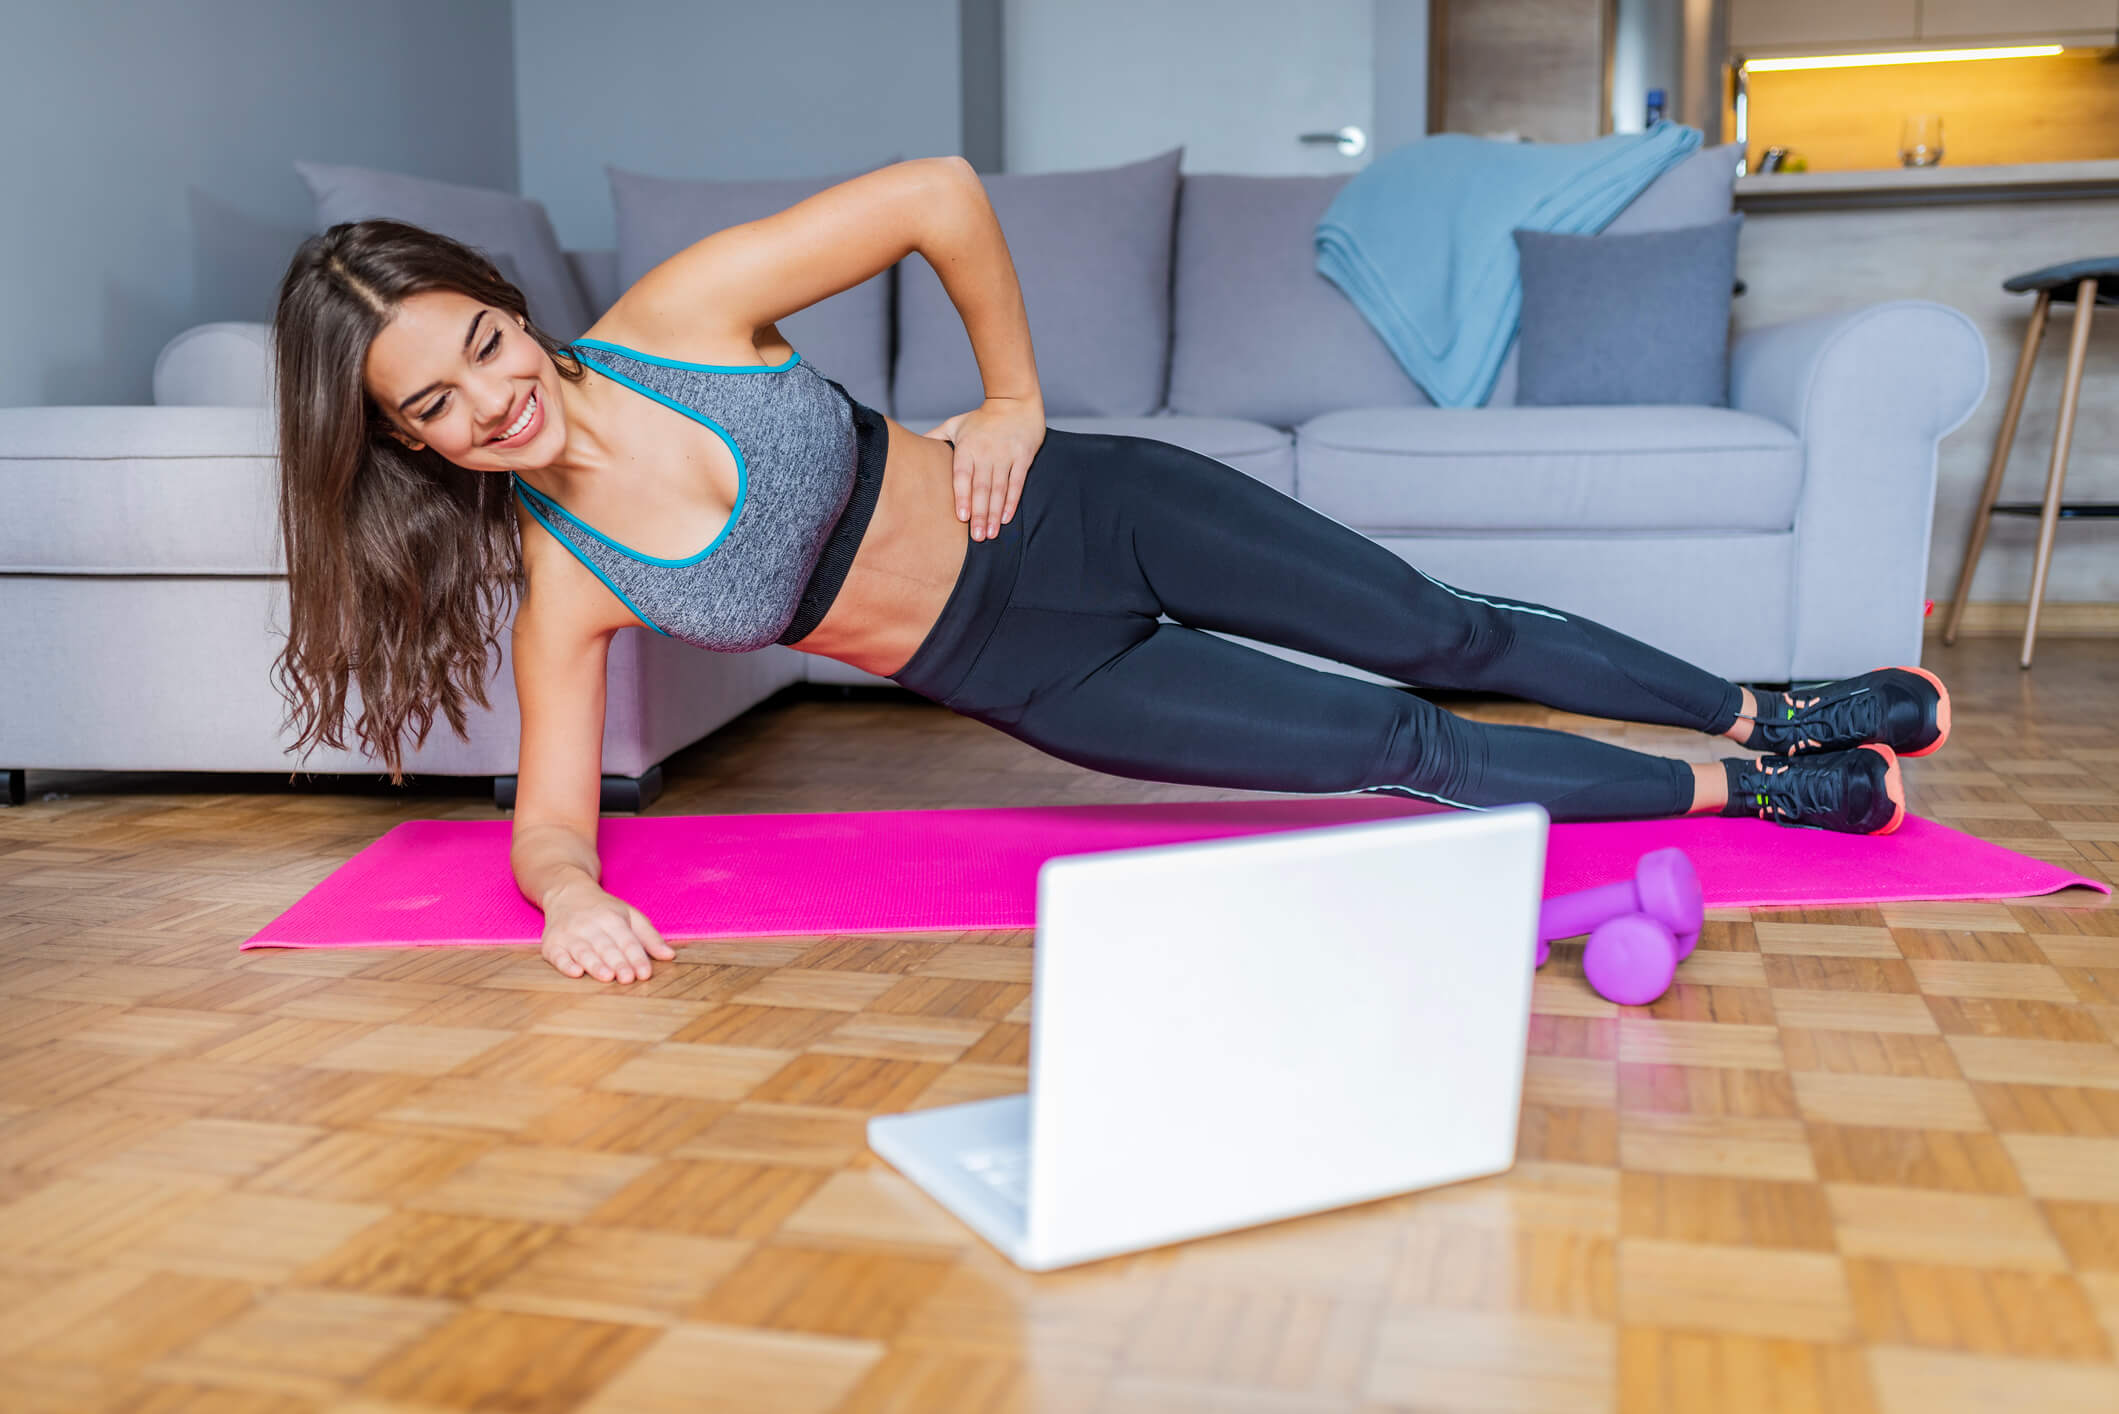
496,222
597,273
846,336
1559,469
1254,448
1627,585
1091,252
1257,333
1695,191
1640,318
139,490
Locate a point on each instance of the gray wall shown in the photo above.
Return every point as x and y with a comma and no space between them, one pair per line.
156,190
981,58
149,160
675,88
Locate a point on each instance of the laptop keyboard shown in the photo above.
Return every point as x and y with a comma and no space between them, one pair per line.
1006,1171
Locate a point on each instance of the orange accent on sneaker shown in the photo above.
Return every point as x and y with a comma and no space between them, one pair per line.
1942,713
1894,786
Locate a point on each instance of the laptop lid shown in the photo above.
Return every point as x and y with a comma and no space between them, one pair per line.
1233,1031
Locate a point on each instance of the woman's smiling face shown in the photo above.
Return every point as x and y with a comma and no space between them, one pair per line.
456,375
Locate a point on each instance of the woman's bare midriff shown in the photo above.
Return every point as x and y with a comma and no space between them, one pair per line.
907,564
910,554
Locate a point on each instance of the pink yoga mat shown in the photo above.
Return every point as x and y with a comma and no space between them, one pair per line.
441,882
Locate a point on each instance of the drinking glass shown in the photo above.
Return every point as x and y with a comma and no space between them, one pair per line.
1920,140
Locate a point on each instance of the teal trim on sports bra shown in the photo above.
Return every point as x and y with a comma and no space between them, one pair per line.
742,463
520,488
674,363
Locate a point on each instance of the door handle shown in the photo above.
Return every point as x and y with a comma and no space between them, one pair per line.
1351,140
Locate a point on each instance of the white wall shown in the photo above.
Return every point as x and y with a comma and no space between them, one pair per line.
1098,83
1647,52
1400,72
1674,45
148,163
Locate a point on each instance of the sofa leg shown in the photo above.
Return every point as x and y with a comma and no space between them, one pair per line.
17,786
621,793
632,793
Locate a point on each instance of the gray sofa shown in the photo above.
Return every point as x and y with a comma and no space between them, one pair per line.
1784,537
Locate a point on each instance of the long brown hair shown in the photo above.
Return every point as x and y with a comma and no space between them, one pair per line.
401,565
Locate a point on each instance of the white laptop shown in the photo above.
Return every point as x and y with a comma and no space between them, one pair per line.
1233,1031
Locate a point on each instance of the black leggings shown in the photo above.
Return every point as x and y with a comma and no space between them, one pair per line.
1052,635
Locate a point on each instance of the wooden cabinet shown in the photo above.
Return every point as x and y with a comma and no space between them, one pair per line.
1538,68
1767,24
2002,19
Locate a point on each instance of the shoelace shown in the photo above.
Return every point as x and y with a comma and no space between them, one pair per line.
1856,717
1788,792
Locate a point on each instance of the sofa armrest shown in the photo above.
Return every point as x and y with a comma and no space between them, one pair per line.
228,364
1871,392
138,490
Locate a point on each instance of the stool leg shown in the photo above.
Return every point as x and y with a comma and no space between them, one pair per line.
2078,348
1982,518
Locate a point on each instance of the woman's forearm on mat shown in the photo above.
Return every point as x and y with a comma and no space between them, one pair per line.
962,240
550,858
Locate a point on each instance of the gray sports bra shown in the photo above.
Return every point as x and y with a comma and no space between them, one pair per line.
809,461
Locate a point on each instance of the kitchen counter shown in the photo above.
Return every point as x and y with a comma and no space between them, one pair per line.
1818,243
1924,186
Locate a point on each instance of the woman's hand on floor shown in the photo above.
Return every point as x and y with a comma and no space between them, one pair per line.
995,444
603,936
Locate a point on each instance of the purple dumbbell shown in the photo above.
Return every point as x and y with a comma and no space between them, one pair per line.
1639,929
1664,886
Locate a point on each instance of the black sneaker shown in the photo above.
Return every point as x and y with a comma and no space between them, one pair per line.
1907,709
1858,792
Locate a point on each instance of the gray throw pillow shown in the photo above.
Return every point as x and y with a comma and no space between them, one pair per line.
1695,191
1627,319
845,336
1091,252
498,223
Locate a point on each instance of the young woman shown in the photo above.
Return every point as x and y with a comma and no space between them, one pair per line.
440,451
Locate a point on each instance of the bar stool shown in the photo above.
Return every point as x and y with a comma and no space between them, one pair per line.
2076,283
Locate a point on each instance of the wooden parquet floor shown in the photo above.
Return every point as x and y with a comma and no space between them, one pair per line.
1858,1159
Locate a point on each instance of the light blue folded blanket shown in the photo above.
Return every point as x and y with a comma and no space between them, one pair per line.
1419,240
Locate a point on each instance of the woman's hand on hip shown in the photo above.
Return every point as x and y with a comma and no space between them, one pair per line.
995,443
601,935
